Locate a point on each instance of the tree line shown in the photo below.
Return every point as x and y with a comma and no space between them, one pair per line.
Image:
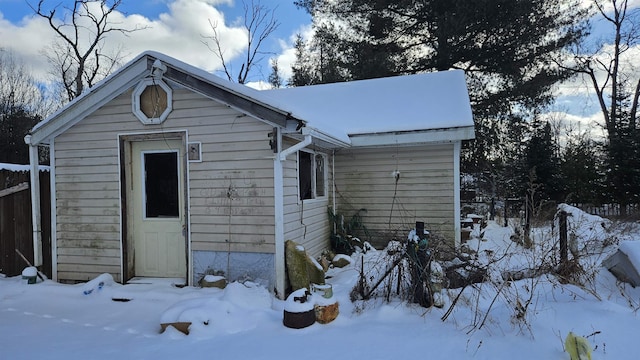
513,52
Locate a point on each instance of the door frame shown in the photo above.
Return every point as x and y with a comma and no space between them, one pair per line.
126,233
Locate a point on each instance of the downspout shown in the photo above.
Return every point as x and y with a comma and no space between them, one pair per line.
278,191
34,174
52,200
456,192
334,206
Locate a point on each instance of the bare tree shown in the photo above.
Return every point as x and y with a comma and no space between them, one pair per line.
79,57
603,66
19,90
616,84
259,23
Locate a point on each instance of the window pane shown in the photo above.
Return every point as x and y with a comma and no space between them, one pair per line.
320,180
161,185
304,175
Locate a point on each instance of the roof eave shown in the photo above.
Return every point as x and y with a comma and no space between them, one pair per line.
426,136
132,73
238,101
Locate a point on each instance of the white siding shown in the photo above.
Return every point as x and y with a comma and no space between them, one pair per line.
424,190
306,222
231,190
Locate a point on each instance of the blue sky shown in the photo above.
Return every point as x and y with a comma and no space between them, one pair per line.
175,27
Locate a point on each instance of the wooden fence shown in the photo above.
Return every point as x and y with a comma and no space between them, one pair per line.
16,230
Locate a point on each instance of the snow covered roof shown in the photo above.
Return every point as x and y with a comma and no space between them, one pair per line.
339,111
402,103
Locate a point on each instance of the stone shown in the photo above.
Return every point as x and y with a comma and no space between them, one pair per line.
295,257
212,281
341,261
183,327
301,268
315,271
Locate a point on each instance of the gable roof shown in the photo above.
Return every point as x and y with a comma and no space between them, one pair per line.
243,98
403,107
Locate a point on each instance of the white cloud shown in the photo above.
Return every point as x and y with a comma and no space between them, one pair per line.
177,33
569,125
26,40
287,55
578,93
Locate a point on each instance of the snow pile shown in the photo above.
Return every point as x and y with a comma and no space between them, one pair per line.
586,227
529,317
30,271
237,309
632,250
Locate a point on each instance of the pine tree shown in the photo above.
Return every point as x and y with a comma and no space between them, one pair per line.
623,154
274,78
14,125
302,70
507,49
580,171
542,162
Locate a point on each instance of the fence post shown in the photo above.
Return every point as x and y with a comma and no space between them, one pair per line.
492,209
562,220
506,215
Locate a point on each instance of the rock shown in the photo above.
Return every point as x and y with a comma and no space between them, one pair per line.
341,261
213,281
325,263
301,268
183,327
316,273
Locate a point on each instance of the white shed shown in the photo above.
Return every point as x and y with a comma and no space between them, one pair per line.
164,170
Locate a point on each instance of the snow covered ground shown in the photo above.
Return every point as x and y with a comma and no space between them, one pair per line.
54,321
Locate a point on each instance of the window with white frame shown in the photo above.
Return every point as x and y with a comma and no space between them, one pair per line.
312,175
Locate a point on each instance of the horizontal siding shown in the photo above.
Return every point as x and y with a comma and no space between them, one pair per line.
236,156
423,192
232,189
87,200
305,222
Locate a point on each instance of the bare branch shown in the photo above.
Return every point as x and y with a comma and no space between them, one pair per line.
217,49
79,63
259,23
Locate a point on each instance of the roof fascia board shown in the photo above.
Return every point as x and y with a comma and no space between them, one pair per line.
413,137
90,102
232,99
323,137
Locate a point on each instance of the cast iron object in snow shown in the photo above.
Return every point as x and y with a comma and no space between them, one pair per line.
298,310
299,320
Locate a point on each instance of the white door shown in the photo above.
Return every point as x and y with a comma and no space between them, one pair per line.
157,173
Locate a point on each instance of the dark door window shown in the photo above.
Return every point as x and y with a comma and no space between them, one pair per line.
161,185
